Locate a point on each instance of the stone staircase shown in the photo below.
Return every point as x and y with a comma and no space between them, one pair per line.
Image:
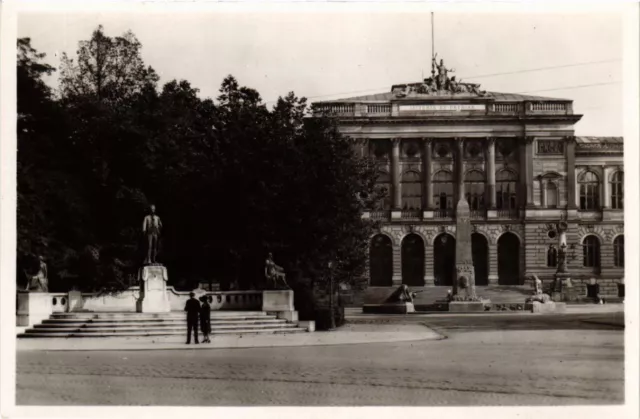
91,324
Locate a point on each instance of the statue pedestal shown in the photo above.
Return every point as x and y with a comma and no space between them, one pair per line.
153,290
33,308
562,289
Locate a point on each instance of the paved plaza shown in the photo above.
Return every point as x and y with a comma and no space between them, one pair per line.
575,358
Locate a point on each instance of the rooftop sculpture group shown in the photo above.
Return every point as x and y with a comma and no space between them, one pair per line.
439,84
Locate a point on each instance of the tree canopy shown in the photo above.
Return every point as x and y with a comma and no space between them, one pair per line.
231,178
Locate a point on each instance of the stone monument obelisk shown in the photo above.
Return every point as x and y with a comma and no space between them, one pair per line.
562,288
464,296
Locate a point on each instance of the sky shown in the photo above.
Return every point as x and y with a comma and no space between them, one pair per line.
333,55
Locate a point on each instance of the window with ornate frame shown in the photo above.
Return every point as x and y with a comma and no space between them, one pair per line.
474,189
383,186
506,189
618,251
411,190
551,194
617,190
443,189
591,252
589,191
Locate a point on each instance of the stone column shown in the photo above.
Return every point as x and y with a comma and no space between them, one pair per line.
571,173
491,172
460,168
395,174
427,198
527,167
606,188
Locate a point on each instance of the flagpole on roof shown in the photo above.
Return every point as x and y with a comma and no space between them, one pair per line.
433,70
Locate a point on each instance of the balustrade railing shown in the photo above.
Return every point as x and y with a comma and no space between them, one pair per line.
478,214
411,215
507,107
336,108
443,213
508,213
383,215
379,108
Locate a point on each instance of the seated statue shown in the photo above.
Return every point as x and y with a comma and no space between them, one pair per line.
38,282
273,273
537,285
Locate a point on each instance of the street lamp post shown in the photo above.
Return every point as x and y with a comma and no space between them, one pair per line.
332,324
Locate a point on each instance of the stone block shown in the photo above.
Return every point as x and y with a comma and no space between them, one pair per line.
76,302
290,316
466,306
153,290
33,307
310,325
277,300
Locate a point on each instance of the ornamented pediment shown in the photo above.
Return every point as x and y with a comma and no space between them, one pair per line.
439,84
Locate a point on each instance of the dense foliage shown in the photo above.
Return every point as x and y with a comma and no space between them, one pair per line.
231,178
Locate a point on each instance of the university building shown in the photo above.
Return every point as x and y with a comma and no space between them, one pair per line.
516,160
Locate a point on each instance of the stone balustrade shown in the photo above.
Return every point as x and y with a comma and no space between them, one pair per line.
356,109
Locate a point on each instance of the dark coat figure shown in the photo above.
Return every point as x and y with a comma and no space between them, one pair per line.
193,309
205,319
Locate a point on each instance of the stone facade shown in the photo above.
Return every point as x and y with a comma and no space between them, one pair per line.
519,165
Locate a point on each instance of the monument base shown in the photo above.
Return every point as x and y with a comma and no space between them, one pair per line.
33,308
153,290
277,300
467,306
389,308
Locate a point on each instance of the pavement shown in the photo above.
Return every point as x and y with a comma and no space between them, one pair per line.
348,334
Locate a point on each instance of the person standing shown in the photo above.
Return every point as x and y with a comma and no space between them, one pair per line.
193,309
205,319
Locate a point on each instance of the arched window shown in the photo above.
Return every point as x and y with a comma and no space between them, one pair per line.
551,191
552,257
443,189
411,190
618,252
589,191
383,187
474,189
591,252
506,189
617,190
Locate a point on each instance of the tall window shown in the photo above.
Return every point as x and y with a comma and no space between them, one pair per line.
589,191
383,186
411,190
443,189
618,252
474,189
591,252
617,190
506,189
552,257
551,194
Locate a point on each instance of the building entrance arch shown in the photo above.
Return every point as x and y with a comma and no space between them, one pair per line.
444,259
509,259
413,260
480,255
380,261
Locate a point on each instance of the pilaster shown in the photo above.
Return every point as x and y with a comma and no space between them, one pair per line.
427,198
395,173
491,172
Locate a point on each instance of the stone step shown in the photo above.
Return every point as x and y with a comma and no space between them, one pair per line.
154,320
159,333
152,329
157,323
173,314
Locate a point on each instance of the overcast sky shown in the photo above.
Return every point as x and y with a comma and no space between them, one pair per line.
333,55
